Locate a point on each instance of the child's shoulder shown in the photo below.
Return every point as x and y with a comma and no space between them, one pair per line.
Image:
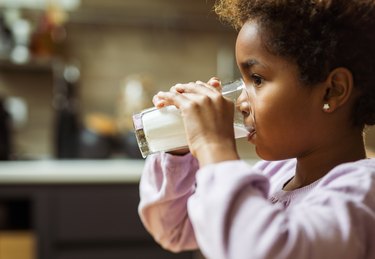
354,181
358,172
360,168
270,168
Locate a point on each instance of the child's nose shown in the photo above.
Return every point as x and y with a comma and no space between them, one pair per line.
243,103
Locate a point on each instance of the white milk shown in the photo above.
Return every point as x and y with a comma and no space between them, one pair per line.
163,129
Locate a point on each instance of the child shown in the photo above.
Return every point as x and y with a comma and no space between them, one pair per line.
309,71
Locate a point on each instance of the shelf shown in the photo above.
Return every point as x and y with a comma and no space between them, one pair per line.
34,65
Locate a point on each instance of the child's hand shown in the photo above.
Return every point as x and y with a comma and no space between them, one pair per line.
208,119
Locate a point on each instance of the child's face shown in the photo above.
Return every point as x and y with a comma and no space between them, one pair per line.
284,113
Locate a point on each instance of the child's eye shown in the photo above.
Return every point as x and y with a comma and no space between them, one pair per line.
257,80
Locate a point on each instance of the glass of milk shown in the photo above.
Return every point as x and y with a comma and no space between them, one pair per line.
162,130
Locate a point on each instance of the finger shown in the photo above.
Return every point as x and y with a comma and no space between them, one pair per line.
197,88
173,98
176,88
215,82
180,88
158,103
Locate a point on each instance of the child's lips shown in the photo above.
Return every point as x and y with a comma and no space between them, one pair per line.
252,132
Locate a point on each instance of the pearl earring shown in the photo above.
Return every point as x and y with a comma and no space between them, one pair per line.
326,107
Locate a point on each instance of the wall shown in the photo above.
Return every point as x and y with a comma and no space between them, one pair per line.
164,48
108,54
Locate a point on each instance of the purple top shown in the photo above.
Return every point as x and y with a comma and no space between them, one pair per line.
234,210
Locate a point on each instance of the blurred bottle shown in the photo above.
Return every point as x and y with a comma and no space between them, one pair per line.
50,34
21,30
6,40
5,132
65,102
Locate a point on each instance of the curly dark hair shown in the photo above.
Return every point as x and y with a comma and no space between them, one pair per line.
318,35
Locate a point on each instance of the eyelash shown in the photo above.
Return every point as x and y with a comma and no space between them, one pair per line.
256,80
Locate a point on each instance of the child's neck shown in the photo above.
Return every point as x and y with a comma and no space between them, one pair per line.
318,163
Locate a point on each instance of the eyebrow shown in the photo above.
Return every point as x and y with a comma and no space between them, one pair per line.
254,62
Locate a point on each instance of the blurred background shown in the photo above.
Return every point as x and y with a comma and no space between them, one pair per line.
72,73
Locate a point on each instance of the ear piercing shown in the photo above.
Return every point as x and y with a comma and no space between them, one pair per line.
326,107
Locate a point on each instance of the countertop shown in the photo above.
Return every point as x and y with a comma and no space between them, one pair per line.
71,171
74,171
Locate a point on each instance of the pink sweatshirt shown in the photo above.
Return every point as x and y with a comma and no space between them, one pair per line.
232,210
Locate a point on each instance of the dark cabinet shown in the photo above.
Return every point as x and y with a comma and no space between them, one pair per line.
79,221
99,214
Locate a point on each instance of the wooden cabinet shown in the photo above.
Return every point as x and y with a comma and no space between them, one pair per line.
79,221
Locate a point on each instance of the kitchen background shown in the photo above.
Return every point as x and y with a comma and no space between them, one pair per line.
72,72
71,75
118,54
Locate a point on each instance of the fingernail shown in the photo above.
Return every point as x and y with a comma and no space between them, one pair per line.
160,104
214,81
179,88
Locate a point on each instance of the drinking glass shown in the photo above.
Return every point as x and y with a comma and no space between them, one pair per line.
162,130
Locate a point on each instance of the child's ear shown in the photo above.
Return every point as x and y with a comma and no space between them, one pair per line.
338,89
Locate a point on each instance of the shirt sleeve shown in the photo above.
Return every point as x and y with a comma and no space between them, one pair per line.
166,184
233,219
